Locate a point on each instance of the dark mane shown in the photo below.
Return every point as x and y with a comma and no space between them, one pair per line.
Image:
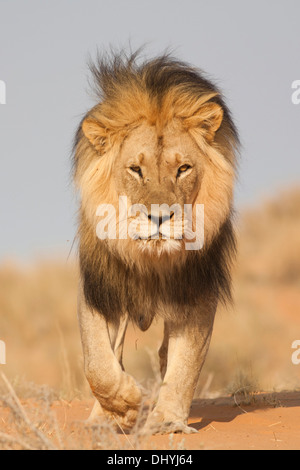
113,288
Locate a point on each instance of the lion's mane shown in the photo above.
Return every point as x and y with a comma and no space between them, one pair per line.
156,91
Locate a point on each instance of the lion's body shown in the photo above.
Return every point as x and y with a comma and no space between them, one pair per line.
161,134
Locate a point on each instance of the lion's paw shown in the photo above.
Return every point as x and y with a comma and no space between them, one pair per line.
170,428
162,423
128,396
121,404
123,420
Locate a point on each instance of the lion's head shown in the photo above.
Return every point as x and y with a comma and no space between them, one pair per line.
161,135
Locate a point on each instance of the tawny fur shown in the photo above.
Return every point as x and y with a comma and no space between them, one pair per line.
155,116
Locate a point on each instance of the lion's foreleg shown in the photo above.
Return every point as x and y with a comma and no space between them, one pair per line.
117,336
187,349
117,392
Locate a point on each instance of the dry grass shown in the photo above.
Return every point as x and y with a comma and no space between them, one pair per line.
36,425
243,389
39,325
24,433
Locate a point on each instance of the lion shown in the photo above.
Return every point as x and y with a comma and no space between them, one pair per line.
160,135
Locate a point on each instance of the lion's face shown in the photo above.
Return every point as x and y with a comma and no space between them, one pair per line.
159,173
167,153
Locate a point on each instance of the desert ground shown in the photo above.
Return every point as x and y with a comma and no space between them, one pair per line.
248,395
270,422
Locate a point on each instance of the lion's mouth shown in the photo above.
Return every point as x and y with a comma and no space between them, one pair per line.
156,237
160,245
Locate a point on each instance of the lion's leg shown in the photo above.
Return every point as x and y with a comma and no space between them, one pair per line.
117,392
188,345
117,335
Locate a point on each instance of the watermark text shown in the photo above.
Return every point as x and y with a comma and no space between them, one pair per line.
162,222
296,93
2,92
2,352
296,354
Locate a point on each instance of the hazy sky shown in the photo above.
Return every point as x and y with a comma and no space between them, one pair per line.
252,50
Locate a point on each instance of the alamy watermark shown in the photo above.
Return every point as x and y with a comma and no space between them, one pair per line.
2,352
296,93
163,222
2,92
296,354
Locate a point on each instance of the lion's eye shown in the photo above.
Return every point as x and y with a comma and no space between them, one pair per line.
182,169
136,169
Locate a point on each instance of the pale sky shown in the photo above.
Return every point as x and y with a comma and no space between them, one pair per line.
251,49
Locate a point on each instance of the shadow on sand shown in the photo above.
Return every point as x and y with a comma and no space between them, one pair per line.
226,409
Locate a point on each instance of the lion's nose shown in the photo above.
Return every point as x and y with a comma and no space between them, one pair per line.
159,220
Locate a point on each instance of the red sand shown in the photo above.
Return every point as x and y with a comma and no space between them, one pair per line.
271,423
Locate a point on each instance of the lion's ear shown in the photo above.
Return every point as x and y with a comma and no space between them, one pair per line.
209,118
96,133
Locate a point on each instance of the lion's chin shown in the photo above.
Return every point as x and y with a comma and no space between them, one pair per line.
149,253
159,247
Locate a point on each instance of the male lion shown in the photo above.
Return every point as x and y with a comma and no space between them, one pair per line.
160,135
